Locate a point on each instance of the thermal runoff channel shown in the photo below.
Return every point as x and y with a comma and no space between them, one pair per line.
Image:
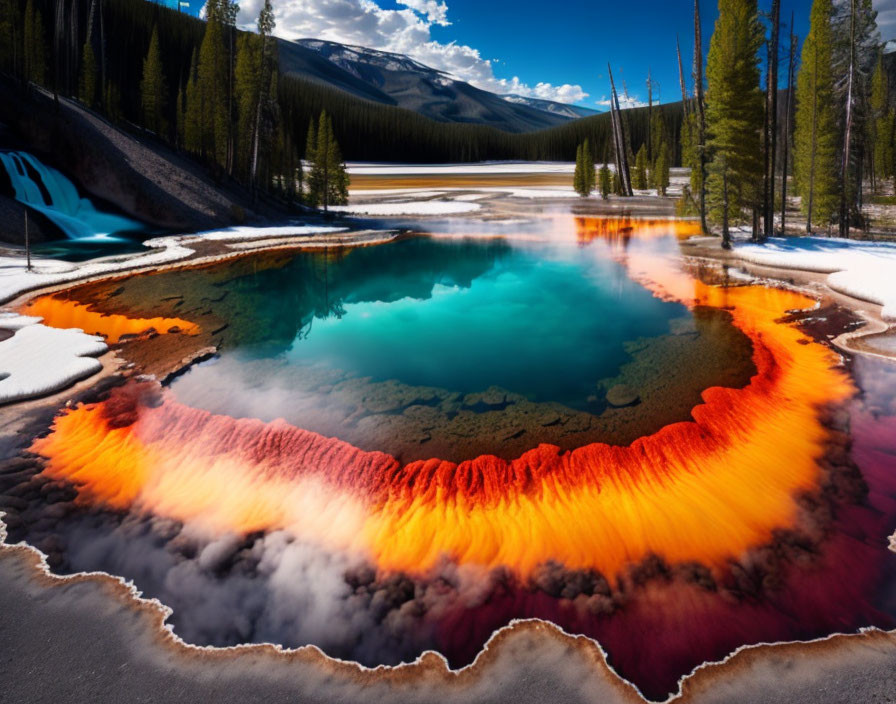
750,519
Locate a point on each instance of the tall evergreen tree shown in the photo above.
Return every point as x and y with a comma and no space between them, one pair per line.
880,125
661,169
690,158
588,167
193,109
578,176
11,31
815,138
328,179
87,82
770,137
246,89
604,181
313,195
658,135
640,175
700,104
181,118
211,86
35,43
267,73
229,12
734,113
154,88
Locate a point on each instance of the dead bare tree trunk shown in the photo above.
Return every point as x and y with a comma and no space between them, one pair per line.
617,150
788,121
684,89
701,111
625,175
649,118
847,129
771,129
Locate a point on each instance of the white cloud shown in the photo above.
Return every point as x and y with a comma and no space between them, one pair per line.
625,101
404,31
435,12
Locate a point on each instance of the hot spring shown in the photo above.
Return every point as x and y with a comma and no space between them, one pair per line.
406,447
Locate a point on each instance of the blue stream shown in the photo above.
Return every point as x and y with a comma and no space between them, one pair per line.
45,189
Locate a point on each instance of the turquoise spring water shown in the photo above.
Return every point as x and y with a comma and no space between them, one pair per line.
547,322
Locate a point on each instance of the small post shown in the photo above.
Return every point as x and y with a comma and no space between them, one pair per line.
27,243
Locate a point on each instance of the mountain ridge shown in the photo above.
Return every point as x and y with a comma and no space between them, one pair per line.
395,79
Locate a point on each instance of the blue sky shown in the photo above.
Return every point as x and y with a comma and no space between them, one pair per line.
551,50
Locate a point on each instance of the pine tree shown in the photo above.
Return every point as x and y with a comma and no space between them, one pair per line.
578,177
654,176
153,88
246,96
338,186
657,133
229,11
35,41
211,86
640,176
880,124
604,182
193,109
328,179
661,169
312,198
690,152
588,167
87,82
734,113
815,138
112,101
267,76
11,30
181,117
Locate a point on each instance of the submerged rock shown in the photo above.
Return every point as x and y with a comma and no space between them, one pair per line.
622,395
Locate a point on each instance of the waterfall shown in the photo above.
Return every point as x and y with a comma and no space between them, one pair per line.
47,190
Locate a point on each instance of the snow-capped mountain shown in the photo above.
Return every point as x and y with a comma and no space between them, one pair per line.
573,112
395,79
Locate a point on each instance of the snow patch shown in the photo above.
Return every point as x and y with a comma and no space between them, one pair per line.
425,207
863,270
14,279
486,167
248,233
38,360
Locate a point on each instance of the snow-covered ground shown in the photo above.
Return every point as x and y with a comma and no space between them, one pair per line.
39,360
415,207
477,192
14,279
865,270
486,167
247,233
